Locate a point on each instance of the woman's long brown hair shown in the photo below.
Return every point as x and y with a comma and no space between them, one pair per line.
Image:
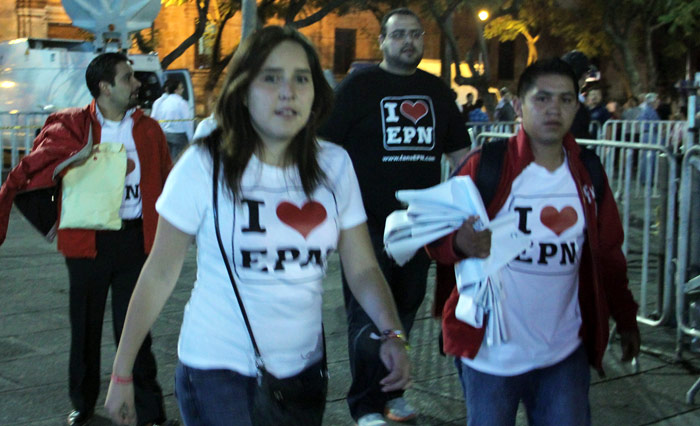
235,138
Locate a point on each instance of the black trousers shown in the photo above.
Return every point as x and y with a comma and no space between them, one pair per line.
408,285
120,256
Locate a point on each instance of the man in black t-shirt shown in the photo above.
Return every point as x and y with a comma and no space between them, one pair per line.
396,122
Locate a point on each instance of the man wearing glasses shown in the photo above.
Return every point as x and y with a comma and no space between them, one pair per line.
396,122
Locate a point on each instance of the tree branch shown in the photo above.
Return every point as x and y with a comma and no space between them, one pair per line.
319,14
202,8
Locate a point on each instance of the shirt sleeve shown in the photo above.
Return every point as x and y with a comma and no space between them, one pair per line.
205,128
186,196
351,211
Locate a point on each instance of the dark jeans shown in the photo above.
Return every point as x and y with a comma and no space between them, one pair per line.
120,256
555,395
408,285
177,142
213,397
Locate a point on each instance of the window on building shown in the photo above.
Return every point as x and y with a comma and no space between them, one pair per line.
506,60
344,51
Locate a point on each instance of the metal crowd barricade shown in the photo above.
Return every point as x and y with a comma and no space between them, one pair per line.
477,128
628,151
17,132
671,134
690,164
497,129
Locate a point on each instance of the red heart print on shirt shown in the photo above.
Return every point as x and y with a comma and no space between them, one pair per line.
304,219
558,221
414,111
130,166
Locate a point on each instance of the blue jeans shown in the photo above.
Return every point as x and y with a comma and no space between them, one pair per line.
213,397
555,395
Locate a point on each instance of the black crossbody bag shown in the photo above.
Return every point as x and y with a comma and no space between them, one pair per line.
292,401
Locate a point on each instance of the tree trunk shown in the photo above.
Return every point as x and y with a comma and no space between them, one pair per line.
652,73
531,47
218,64
191,40
621,42
446,54
249,19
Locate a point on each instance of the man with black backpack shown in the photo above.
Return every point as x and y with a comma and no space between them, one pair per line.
558,294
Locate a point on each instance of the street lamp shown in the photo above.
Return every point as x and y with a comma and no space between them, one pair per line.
483,16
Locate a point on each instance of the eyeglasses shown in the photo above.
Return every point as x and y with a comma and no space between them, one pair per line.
402,34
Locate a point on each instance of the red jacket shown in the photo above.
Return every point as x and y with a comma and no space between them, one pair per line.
603,288
64,134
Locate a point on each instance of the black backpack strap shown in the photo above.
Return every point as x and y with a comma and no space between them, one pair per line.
488,174
592,163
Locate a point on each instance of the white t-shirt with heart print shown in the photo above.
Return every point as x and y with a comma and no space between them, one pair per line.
540,304
277,242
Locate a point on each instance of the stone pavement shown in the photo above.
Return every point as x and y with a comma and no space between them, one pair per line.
34,342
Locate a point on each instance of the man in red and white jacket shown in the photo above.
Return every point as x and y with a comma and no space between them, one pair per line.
100,260
557,295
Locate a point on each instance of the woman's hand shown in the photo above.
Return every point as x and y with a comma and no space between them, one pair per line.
120,403
394,355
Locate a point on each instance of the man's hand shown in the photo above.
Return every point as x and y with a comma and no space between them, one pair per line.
120,404
630,342
471,243
395,358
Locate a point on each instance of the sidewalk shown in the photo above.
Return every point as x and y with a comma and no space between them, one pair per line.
34,342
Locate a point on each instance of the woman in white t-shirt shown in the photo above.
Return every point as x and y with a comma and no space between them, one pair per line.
285,202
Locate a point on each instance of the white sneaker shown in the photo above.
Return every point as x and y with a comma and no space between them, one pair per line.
399,410
374,419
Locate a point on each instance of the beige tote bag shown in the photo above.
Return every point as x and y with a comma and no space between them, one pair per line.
93,189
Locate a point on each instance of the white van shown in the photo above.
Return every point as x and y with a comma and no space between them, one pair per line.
46,75
40,76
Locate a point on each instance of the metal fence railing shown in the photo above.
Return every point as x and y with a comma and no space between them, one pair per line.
690,168
671,134
652,216
501,127
17,132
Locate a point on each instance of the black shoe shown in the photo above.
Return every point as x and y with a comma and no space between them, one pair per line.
79,418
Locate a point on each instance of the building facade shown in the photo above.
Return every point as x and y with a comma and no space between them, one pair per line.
340,40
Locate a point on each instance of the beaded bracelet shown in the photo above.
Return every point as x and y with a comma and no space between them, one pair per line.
394,334
122,380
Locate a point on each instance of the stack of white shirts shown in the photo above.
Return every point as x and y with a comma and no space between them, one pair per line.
437,211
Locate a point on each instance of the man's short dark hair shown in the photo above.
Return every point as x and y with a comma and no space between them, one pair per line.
403,11
552,66
171,85
103,68
579,63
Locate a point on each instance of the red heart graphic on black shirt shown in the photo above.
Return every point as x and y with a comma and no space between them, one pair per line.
414,111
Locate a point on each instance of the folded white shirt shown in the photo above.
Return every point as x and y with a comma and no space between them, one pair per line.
437,211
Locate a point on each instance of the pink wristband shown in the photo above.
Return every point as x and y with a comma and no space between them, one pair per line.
121,380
